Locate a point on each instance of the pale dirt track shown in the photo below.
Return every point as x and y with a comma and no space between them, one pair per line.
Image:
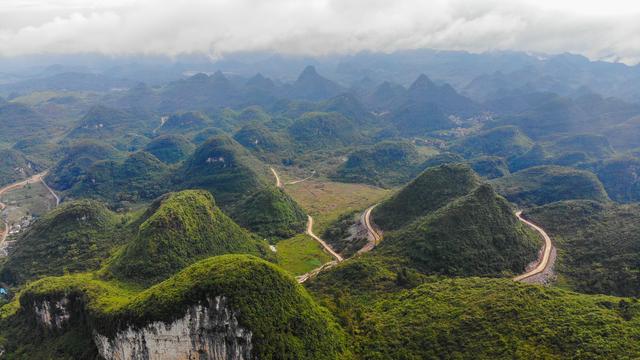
375,237
546,254
338,258
34,179
372,234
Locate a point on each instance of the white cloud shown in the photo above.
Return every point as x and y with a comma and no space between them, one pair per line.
316,27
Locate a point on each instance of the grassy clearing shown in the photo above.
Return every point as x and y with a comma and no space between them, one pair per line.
301,254
327,200
33,199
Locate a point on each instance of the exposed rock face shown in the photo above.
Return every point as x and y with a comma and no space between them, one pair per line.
204,332
52,314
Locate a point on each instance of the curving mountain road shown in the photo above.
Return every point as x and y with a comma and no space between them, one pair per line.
546,255
375,237
372,234
322,242
278,182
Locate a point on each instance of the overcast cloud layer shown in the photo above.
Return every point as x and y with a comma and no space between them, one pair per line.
600,30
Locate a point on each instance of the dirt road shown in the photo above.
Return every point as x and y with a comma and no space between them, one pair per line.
546,255
322,242
373,235
278,182
32,180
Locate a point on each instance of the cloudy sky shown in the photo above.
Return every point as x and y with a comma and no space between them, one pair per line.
608,30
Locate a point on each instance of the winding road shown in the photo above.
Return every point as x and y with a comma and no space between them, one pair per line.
372,234
322,242
374,237
278,182
544,263
32,180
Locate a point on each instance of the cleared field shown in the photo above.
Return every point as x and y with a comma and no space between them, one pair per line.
301,254
327,200
33,199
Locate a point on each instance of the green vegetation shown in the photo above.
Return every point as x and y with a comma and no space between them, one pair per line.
545,184
326,201
225,168
598,245
141,176
28,202
343,237
183,228
239,183
170,149
324,130
432,189
594,146
15,166
271,213
262,142
115,126
183,123
536,156
18,121
419,118
76,160
480,319
280,314
619,176
476,234
506,141
258,138
489,167
385,164
73,237
301,254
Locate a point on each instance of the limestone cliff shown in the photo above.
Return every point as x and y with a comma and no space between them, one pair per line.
208,331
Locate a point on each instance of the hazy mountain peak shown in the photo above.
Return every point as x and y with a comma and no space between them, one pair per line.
308,72
422,82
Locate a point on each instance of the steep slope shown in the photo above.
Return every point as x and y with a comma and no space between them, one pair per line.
489,167
496,319
598,245
260,140
15,166
418,118
77,236
231,306
312,86
141,176
18,121
553,116
431,190
182,123
594,146
109,124
444,96
225,168
180,229
317,130
475,235
76,160
387,163
506,141
545,184
350,107
271,213
170,149
620,177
